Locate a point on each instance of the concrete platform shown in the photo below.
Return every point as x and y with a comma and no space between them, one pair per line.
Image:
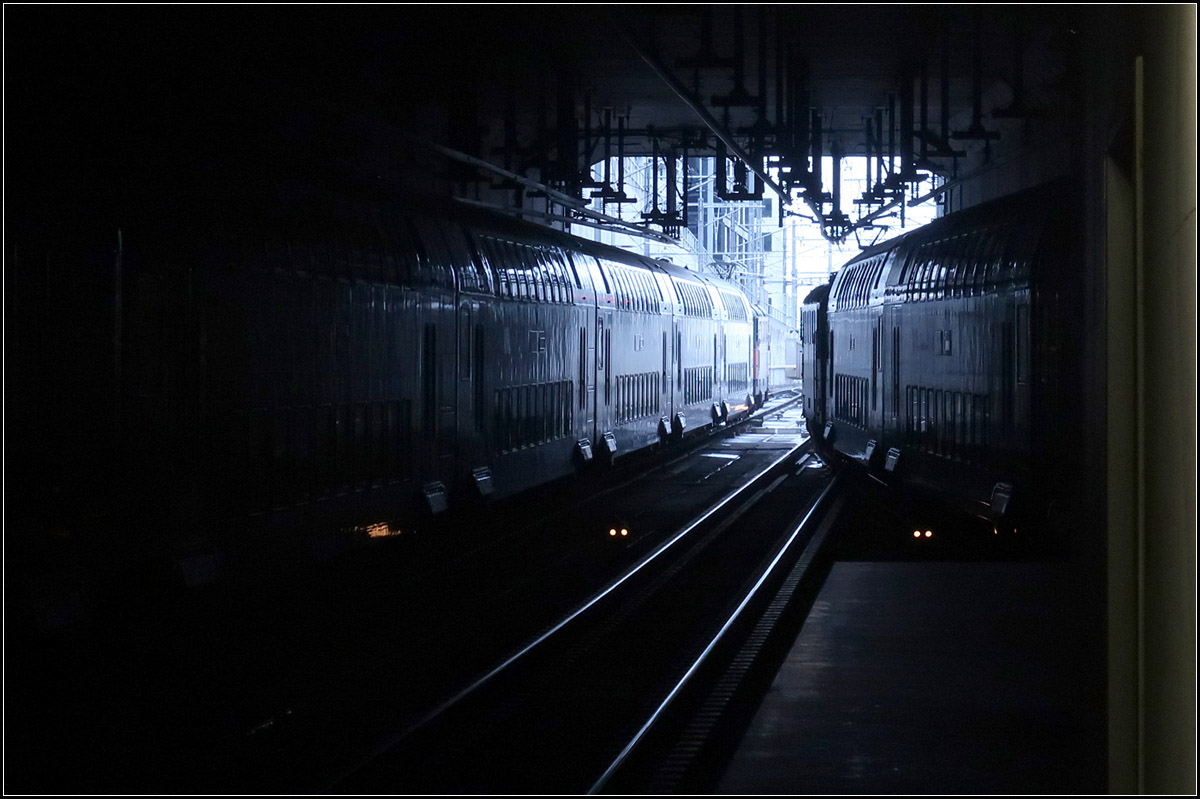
933,677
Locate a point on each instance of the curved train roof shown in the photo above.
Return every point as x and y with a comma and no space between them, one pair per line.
965,252
1030,203
817,295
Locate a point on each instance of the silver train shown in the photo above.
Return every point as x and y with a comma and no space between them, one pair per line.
355,363
945,359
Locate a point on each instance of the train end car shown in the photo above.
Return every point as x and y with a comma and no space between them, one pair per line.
814,335
946,352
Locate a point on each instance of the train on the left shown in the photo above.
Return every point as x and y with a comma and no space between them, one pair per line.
349,363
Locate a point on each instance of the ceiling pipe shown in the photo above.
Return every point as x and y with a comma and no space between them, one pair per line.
633,231
574,203
697,106
557,196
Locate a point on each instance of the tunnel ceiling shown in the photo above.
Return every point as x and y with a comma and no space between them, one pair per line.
768,85
465,99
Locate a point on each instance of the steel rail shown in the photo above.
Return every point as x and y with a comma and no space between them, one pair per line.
393,740
695,667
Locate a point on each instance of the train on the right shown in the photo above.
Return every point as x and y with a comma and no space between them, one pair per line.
945,360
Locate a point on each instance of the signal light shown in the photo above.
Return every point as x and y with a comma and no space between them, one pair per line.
612,532
624,531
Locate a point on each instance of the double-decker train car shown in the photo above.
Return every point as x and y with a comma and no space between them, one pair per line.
267,374
941,359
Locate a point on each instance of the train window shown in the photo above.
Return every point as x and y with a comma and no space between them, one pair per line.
429,376
921,275
477,377
500,426
531,271
961,434
524,273
574,270
996,269
1022,344
487,251
910,411
436,257
664,356
550,276
608,359
929,276
599,343
970,269
603,277
906,267
485,264
913,270
564,273
540,289
678,360
582,366
464,344
561,278
502,265
545,290
553,283
470,272
516,273
401,259
971,402
950,263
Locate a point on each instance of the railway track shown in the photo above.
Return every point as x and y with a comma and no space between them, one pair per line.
568,711
287,692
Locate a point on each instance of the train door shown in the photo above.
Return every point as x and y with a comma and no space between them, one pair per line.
876,370
588,288
895,382
438,394
665,384
722,375
677,360
470,387
604,376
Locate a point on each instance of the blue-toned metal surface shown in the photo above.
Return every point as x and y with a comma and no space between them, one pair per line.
946,344
328,365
